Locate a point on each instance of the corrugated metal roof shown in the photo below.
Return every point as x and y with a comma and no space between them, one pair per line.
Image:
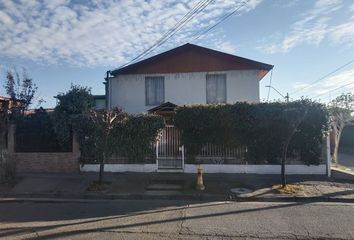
191,58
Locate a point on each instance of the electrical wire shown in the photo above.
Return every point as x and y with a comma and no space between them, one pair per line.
182,22
345,85
325,76
199,34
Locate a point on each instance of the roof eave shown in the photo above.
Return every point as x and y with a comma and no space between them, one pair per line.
257,65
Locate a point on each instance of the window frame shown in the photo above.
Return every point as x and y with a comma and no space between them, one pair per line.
155,102
206,87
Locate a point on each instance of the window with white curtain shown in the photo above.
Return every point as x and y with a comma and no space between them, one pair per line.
154,90
216,88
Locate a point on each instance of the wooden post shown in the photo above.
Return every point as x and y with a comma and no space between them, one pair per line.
75,146
329,160
11,139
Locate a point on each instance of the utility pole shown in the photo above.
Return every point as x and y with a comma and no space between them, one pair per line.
106,83
286,97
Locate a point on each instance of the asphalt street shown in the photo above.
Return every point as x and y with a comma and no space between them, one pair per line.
175,220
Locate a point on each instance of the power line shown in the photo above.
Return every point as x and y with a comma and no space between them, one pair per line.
345,85
199,34
325,76
183,21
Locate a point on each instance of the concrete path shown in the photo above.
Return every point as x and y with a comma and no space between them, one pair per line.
176,220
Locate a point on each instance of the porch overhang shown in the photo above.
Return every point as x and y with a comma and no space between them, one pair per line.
163,109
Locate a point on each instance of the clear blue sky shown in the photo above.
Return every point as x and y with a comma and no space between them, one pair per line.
61,42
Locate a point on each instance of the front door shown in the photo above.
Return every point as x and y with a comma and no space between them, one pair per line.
169,150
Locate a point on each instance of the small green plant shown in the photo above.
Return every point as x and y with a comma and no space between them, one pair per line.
96,186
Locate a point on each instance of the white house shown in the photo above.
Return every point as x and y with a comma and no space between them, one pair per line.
185,75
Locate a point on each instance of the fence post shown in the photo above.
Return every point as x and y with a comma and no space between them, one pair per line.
183,157
11,139
157,155
329,161
75,146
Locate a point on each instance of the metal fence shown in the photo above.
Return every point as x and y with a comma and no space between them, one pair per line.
171,154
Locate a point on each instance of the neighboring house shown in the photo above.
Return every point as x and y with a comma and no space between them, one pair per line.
100,101
7,103
185,75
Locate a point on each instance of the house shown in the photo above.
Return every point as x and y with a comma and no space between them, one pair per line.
185,75
7,103
100,101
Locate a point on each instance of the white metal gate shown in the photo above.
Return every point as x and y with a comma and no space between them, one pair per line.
169,152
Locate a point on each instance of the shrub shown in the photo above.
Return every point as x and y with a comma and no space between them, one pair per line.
73,104
132,138
136,136
260,127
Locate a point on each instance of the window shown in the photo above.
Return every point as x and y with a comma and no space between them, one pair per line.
216,88
154,90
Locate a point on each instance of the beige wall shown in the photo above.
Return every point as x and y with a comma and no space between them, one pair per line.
128,91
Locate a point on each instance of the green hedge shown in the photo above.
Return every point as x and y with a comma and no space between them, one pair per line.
132,138
136,136
260,127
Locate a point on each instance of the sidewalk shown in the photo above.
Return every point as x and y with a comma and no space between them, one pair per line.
340,187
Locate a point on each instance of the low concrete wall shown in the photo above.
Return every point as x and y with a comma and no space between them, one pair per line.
257,169
44,162
119,168
212,168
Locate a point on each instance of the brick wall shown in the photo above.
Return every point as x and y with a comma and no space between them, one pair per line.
46,162
49,162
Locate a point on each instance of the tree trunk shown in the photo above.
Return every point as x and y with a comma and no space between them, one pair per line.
290,135
338,134
2,140
100,175
3,130
283,161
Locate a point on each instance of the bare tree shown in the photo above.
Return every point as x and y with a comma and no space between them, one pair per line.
293,118
341,110
20,88
104,122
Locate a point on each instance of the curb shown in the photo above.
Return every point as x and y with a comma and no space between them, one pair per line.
62,197
342,171
90,197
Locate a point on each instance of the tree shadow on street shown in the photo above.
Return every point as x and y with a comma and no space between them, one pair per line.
105,212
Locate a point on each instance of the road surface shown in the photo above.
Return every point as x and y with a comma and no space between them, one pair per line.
175,220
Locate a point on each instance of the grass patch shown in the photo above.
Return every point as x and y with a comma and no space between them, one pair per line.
288,189
96,187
